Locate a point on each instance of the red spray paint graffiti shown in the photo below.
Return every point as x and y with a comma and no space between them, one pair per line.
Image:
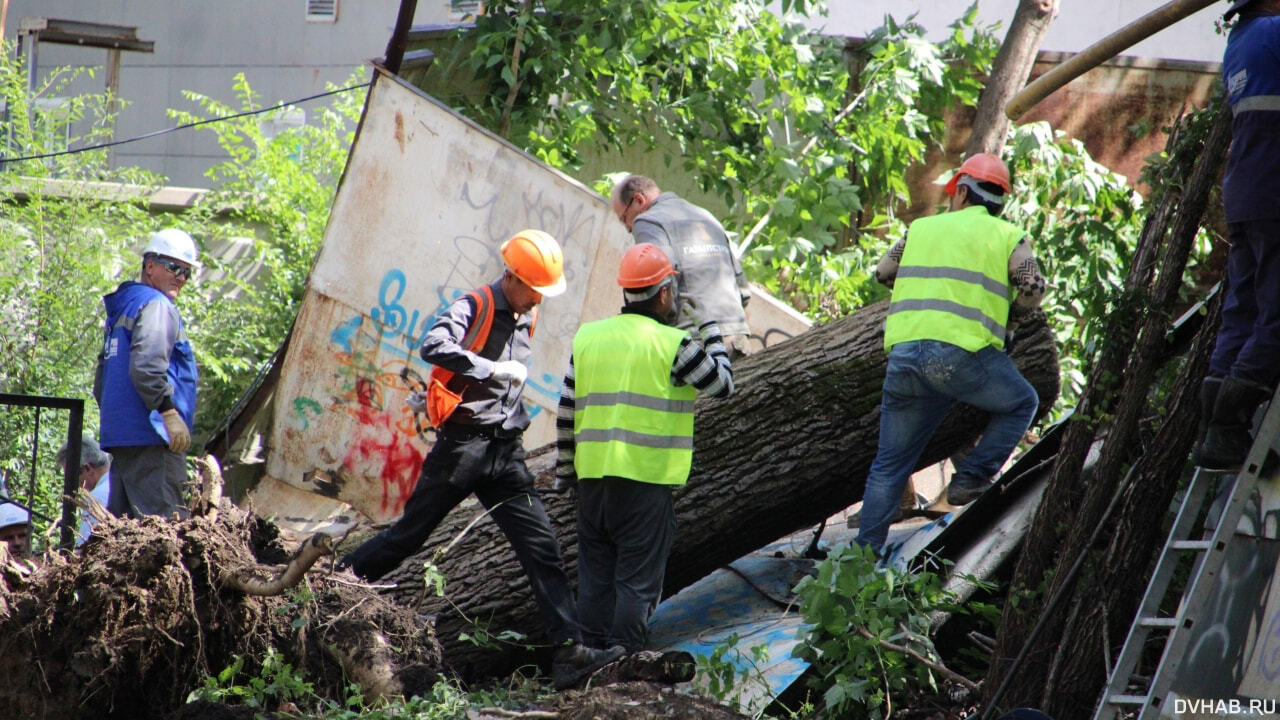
381,448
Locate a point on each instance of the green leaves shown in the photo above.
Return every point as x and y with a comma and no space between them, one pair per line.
275,189
859,619
1084,221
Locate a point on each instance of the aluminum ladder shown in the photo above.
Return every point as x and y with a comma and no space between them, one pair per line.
1118,700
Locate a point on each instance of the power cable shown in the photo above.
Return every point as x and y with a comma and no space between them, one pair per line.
166,131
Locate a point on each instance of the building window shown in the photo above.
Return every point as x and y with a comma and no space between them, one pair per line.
322,11
465,9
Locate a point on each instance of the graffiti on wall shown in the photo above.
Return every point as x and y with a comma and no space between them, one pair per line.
1235,644
374,353
418,220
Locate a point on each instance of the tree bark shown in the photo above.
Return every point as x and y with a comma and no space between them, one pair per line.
1009,74
789,449
1062,667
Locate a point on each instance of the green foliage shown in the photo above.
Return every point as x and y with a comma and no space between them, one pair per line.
724,671
446,702
852,609
276,683
277,191
750,104
71,228
1084,221
64,240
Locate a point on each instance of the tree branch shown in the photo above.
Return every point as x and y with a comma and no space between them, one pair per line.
914,655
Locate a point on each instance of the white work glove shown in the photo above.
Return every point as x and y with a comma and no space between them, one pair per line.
510,370
705,326
691,312
417,401
179,435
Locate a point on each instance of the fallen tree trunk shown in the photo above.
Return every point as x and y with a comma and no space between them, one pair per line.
789,449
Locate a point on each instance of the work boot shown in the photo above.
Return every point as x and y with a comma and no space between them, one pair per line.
571,665
964,489
1227,439
1209,388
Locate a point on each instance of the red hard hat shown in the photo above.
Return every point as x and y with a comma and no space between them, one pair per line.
644,265
983,166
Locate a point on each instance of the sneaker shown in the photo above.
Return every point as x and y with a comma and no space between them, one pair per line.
964,489
575,663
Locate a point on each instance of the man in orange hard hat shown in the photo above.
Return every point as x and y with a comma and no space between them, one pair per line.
961,280
483,340
624,432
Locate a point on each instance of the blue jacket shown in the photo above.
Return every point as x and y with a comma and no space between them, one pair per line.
127,418
1251,75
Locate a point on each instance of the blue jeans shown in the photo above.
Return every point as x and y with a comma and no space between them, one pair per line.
922,381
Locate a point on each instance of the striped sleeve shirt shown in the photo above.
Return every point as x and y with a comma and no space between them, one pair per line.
705,367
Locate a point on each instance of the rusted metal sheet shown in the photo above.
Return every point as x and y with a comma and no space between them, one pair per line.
427,199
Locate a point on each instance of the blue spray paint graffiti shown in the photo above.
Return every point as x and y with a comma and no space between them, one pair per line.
403,330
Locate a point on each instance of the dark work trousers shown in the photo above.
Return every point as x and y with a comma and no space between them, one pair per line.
494,469
147,480
625,531
1248,343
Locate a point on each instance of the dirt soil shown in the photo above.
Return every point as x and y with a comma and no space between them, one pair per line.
129,624
639,701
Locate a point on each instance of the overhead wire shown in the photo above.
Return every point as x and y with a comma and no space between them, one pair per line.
184,126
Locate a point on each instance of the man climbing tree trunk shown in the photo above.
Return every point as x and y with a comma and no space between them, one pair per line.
1009,73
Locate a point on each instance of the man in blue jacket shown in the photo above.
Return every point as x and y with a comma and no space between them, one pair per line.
1243,369
146,382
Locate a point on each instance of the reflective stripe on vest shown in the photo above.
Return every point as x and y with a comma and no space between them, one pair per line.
629,420
1256,103
952,283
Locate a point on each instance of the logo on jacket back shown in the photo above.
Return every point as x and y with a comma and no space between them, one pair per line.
704,250
1235,83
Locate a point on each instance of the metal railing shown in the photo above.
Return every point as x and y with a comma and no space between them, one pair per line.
71,466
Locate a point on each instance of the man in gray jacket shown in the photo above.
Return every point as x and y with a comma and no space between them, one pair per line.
146,379
710,276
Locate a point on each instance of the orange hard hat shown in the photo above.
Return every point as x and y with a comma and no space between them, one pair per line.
983,166
644,265
535,258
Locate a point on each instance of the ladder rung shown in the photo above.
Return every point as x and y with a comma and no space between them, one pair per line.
1158,622
1127,699
1196,545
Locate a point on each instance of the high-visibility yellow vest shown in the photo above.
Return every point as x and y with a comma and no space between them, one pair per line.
953,281
629,420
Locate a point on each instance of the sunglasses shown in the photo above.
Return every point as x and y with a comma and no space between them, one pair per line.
173,267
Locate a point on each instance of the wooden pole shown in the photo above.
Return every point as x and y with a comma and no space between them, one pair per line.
1101,51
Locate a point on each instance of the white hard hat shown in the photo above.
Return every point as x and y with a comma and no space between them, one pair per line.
174,243
11,514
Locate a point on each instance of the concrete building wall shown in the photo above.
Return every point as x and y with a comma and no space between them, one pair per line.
200,47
